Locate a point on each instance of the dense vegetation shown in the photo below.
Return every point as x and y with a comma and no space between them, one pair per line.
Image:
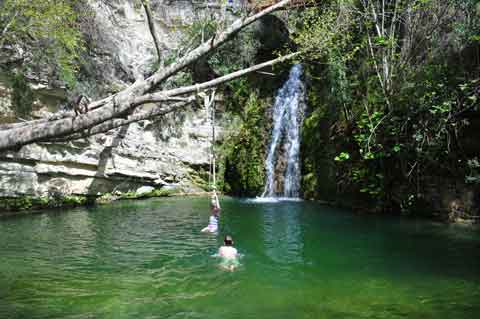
393,104
244,160
48,30
396,88
48,35
393,90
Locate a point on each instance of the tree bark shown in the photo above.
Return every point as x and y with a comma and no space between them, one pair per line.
167,95
153,32
170,95
123,103
116,123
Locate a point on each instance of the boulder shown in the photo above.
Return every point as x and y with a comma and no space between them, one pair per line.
145,190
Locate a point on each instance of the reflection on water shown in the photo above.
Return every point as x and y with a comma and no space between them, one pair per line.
148,259
282,234
273,199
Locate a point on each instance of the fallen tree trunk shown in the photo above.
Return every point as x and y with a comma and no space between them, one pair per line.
170,96
124,102
166,95
116,123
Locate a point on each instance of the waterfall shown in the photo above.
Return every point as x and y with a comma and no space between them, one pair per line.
288,114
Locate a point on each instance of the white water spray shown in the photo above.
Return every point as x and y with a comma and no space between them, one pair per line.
288,116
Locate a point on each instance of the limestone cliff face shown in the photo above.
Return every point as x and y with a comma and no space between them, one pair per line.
169,152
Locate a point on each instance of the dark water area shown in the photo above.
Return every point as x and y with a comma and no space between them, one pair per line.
148,259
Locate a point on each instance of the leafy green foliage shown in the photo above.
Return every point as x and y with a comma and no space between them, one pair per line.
28,202
47,31
318,180
313,147
398,131
245,149
343,156
22,95
322,30
239,93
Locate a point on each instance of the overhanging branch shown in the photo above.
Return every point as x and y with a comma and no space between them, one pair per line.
116,123
168,95
122,103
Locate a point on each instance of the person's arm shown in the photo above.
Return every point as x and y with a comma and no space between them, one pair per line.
217,202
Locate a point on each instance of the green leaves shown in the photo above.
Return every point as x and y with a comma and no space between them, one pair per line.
22,95
443,108
475,38
382,41
48,30
322,30
244,151
369,183
408,91
343,156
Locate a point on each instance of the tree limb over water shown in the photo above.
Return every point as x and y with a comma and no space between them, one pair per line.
119,108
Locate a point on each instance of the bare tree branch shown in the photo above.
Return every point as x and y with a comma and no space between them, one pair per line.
115,123
122,103
153,32
171,95
166,95
210,44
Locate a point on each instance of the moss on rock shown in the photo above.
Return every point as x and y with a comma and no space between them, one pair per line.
245,151
18,204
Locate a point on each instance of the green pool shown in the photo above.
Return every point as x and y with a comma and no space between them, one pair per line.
148,259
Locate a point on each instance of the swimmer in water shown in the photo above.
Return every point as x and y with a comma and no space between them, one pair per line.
229,254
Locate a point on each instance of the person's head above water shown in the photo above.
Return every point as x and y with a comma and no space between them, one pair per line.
228,240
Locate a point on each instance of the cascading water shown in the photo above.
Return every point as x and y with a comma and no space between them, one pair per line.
288,113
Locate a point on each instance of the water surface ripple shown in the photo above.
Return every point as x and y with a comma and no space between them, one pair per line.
148,259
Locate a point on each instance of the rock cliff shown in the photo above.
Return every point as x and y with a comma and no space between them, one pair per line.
170,152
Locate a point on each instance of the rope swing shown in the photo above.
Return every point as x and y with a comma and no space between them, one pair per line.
209,102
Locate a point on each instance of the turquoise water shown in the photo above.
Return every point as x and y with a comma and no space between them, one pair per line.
148,259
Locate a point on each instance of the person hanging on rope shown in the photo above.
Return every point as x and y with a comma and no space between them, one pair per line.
209,101
213,221
215,203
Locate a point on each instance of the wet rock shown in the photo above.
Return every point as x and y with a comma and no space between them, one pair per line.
145,190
